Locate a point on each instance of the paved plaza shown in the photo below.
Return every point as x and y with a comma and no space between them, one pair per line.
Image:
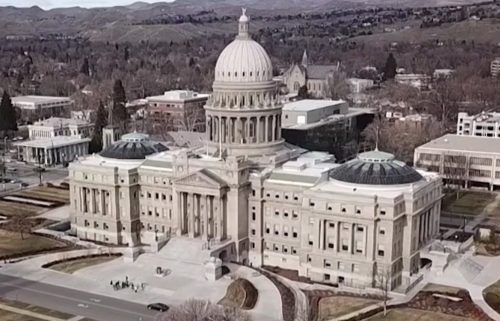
185,279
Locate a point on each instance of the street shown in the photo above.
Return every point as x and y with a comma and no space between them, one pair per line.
26,173
97,307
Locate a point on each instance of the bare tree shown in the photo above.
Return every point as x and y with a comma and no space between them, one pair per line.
455,171
200,310
336,86
193,119
383,283
21,223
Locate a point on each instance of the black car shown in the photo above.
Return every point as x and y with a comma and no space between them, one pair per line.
158,307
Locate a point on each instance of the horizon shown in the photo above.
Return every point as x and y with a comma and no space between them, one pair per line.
55,4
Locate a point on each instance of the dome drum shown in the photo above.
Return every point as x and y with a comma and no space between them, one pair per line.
376,168
132,147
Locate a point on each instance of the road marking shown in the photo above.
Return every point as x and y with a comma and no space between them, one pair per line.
28,313
72,299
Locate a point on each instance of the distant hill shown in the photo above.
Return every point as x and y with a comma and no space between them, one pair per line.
127,23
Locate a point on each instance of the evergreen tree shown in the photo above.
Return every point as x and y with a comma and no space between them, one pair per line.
8,121
101,120
120,115
390,67
85,69
303,93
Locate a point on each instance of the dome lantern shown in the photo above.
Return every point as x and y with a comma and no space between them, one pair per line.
243,24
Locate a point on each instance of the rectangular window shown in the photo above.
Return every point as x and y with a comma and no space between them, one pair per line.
382,231
252,245
253,231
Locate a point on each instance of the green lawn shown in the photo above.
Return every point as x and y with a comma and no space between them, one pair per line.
11,243
72,266
407,314
492,296
469,203
336,306
32,308
11,316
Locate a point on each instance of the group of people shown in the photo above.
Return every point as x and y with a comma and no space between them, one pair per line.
118,285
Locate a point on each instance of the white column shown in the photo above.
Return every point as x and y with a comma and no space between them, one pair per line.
274,127
322,234
204,204
191,215
266,138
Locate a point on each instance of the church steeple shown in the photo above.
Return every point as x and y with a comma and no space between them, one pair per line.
243,24
304,59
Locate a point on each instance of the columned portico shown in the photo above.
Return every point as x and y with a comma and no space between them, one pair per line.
201,215
201,208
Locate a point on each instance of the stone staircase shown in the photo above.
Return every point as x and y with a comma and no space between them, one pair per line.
183,249
469,268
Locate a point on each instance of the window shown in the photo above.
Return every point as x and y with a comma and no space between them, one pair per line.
277,213
268,195
252,245
330,208
358,211
311,204
295,215
276,232
267,230
285,249
381,231
295,234
157,196
311,220
382,212
277,196
380,251
294,250
327,277
331,225
253,231
345,245
330,245
327,264
360,229
163,197
359,247
150,213
311,243
253,192
285,214
253,216
309,259
343,210
295,198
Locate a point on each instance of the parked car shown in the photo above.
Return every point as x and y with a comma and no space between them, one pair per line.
158,307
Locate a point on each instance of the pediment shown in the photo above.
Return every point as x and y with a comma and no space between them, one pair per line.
201,178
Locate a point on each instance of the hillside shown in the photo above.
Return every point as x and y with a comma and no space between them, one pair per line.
172,21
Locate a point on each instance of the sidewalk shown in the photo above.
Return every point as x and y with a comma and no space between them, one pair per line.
28,313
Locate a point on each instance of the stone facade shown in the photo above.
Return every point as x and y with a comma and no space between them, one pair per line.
269,202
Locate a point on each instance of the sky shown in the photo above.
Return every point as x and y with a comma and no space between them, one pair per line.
49,4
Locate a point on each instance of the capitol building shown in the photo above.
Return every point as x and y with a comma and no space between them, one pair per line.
250,197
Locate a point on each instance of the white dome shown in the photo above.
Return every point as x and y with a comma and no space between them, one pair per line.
243,60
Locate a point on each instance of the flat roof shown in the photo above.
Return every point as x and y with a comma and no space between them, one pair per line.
178,95
50,143
452,142
351,112
39,99
310,104
60,122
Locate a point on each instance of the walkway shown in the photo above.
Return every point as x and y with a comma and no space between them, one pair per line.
28,313
487,276
185,280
